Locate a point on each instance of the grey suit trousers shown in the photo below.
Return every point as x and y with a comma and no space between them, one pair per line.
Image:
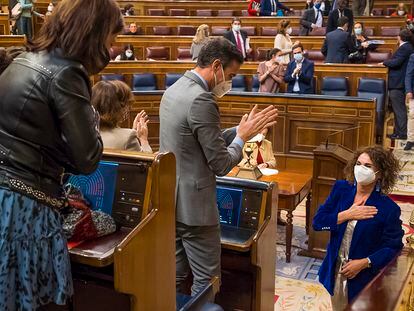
197,247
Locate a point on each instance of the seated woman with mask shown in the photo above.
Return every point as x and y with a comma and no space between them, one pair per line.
113,99
361,43
364,224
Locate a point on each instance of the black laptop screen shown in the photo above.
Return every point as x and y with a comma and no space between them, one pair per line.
229,202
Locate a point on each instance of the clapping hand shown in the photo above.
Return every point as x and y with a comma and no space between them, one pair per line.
140,125
254,122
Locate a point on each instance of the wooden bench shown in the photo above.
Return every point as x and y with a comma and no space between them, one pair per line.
4,24
303,124
8,40
159,68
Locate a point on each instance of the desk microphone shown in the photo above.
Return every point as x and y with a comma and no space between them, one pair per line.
337,132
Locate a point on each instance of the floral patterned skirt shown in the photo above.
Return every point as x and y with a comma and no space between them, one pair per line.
34,259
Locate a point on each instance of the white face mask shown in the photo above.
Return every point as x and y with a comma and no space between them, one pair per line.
364,175
236,28
223,87
258,138
279,59
50,8
128,54
289,30
401,13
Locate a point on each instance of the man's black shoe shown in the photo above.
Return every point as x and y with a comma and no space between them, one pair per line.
395,136
409,145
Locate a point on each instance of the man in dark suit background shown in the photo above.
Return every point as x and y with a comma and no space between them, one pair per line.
311,19
397,66
299,73
338,43
334,16
238,37
270,7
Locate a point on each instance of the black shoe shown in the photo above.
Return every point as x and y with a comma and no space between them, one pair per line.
409,145
396,136
281,222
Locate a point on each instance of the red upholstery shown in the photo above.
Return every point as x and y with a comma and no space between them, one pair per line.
156,12
321,31
250,30
390,31
261,54
369,31
183,54
186,30
315,55
225,13
157,53
204,12
377,12
178,12
162,30
218,30
375,57
269,31
295,31
115,51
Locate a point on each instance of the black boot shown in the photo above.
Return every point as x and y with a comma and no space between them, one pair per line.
409,145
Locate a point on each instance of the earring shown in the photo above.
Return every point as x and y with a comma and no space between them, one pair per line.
378,186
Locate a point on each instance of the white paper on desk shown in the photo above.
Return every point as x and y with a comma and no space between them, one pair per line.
269,171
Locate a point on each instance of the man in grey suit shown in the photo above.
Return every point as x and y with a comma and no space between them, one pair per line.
190,128
311,19
338,43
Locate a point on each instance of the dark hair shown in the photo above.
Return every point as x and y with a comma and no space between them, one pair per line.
123,54
384,160
283,25
406,35
342,21
128,6
271,53
297,45
81,30
112,99
236,19
218,48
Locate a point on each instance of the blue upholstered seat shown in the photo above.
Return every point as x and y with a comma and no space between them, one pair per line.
171,78
111,77
374,88
334,86
144,82
239,84
255,84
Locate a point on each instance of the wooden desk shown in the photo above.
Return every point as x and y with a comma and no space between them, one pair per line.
9,40
4,24
293,188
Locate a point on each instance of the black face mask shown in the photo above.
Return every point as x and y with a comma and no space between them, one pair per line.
98,66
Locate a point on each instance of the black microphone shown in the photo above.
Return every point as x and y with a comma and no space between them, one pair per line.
340,131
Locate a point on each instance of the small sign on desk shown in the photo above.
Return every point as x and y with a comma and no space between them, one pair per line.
269,171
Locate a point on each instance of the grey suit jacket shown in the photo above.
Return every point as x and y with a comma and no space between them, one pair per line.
308,18
190,128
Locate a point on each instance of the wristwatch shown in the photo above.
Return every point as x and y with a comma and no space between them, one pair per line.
369,262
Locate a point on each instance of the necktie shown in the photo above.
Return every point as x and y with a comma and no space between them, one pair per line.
317,16
239,42
273,6
259,158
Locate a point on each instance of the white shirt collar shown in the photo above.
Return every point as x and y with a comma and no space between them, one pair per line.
402,43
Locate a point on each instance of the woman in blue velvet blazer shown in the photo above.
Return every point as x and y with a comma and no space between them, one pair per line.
364,223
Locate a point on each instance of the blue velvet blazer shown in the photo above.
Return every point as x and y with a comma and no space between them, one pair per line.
379,238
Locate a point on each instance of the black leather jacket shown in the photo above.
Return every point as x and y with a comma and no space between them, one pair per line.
47,124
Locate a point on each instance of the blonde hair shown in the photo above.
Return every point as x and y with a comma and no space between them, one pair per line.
200,35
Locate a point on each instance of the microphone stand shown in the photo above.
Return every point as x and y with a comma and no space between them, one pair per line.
337,132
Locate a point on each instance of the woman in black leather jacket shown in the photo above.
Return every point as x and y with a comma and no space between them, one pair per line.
361,43
48,128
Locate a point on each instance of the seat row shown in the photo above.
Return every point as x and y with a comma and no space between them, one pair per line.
210,12
189,30
183,54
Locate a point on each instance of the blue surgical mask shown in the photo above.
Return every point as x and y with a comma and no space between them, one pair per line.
298,57
358,31
317,6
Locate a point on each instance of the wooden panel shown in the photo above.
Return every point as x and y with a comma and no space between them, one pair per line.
294,134
4,24
148,22
352,71
7,40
